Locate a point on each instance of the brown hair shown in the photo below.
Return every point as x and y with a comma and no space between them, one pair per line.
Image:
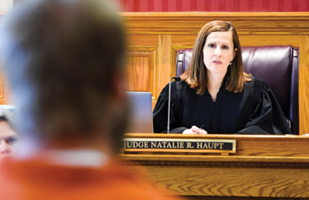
62,59
196,74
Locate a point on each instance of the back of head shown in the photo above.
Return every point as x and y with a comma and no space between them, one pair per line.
62,58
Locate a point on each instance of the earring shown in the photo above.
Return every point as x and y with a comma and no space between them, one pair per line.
231,63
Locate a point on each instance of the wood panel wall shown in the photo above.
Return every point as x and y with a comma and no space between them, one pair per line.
154,39
2,84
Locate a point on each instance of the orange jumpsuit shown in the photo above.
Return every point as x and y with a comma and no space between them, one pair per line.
38,179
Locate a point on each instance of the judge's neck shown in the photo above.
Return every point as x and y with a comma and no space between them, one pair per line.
214,81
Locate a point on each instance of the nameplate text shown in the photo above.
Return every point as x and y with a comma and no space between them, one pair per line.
182,145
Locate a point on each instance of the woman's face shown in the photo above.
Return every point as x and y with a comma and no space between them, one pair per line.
7,138
218,52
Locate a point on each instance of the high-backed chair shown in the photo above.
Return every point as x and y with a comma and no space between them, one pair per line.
276,65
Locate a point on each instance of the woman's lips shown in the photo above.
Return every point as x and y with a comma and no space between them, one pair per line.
217,62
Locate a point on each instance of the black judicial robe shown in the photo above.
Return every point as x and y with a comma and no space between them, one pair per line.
255,110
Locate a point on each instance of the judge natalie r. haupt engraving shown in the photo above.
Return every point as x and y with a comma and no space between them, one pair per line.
153,144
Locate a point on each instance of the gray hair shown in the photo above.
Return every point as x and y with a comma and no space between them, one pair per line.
7,114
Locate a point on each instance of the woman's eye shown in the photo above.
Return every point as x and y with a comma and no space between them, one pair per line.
211,45
225,47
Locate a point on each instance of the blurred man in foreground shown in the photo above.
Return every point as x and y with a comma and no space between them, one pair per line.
65,63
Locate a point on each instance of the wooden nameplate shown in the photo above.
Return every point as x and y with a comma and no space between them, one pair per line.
179,145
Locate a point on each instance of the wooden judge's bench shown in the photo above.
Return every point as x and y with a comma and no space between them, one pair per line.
266,167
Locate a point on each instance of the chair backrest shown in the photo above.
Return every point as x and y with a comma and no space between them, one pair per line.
276,65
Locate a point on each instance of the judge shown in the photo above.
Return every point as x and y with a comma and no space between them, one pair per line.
215,95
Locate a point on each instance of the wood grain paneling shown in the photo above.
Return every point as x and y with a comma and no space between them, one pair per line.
140,63
139,77
191,23
234,180
262,40
304,84
263,166
140,40
164,68
174,31
2,86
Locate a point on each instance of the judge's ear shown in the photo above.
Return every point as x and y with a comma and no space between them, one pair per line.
234,53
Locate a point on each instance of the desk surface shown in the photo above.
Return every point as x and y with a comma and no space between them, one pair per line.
263,166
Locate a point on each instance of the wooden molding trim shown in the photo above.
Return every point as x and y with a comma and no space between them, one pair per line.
191,22
220,164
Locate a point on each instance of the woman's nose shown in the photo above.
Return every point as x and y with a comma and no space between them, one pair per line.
4,147
218,51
